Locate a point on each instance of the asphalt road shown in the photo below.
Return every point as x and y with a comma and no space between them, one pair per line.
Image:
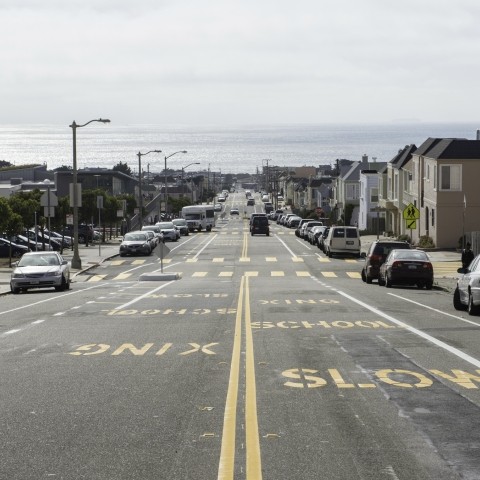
263,360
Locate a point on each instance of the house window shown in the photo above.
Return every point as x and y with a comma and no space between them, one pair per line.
374,195
435,177
450,177
433,217
352,192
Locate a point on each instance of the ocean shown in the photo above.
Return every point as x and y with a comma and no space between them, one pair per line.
228,149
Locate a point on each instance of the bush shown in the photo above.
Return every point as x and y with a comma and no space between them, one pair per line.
404,238
426,242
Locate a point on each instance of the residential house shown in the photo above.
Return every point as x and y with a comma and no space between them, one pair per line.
395,191
445,173
369,212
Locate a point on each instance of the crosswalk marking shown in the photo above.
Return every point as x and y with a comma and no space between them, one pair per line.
199,274
244,259
277,274
117,262
97,278
138,262
297,259
329,274
122,276
218,260
191,260
303,274
354,274
323,259
270,259
225,274
251,274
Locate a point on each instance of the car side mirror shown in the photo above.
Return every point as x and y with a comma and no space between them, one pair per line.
363,254
462,270
64,262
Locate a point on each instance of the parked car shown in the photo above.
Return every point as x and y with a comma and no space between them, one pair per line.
169,231
156,231
181,225
467,292
406,267
298,230
342,240
260,226
307,227
40,270
313,234
38,237
27,242
84,232
293,222
377,254
135,243
321,239
17,250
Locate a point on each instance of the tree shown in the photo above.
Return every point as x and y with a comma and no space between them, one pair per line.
63,168
123,167
26,204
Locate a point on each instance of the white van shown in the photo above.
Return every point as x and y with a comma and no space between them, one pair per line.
342,240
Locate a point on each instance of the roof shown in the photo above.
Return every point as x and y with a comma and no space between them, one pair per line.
403,156
450,148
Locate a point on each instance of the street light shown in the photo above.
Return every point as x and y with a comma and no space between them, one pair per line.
140,198
76,261
183,171
166,194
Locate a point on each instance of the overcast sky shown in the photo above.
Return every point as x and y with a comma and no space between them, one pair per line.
239,61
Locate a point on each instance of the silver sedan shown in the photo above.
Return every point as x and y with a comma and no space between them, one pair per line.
40,270
467,293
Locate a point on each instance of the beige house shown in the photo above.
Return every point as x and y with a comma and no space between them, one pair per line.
445,189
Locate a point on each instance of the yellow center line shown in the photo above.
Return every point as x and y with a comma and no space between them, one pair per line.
227,452
254,460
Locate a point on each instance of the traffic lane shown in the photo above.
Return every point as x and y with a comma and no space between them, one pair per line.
348,357
430,311
107,404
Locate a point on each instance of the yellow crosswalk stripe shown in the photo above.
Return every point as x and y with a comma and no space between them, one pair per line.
122,276
218,260
199,274
97,278
191,260
244,259
251,274
117,262
270,259
329,274
303,274
323,259
277,274
354,274
138,262
297,259
225,274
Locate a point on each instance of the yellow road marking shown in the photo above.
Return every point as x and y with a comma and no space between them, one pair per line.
122,276
225,274
117,262
199,274
191,260
277,274
138,262
297,259
354,274
271,259
323,259
329,274
251,274
97,278
303,274
244,259
218,260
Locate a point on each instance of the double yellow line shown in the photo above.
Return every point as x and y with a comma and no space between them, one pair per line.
227,454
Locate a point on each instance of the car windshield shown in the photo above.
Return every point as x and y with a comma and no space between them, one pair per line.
135,237
165,225
410,255
179,221
38,260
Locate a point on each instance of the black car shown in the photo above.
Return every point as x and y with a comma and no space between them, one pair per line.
17,250
376,256
406,267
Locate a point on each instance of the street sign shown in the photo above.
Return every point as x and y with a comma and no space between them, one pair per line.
48,212
411,224
45,201
69,219
411,212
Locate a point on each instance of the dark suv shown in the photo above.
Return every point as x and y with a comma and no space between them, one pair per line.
260,226
376,256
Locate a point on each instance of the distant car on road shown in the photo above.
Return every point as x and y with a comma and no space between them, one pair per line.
169,231
135,243
234,211
181,225
40,270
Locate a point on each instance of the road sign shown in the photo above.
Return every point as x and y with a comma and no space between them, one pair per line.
411,212
411,224
48,212
45,201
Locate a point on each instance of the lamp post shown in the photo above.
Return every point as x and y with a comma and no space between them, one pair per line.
140,197
76,261
183,171
166,194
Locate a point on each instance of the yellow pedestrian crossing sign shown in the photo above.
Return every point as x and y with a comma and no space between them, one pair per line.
411,212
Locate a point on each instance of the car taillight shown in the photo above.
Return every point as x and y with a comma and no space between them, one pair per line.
428,266
375,258
396,264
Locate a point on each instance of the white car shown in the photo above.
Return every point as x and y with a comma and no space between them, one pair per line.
40,270
169,231
467,292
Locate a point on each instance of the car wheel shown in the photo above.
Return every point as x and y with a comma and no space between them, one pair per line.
381,282
15,291
429,285
388,282
364,278
472,309
457,304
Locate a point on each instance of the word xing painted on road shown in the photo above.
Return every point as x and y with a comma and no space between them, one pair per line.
131,349
172,311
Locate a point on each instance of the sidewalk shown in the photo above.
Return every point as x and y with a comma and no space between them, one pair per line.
90,257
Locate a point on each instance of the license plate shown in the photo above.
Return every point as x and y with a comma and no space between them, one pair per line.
349,242
412,267
34,282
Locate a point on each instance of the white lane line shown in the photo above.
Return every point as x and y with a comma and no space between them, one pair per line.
285,245
206,245
436,310
414,330
10,332
75,292
135,300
